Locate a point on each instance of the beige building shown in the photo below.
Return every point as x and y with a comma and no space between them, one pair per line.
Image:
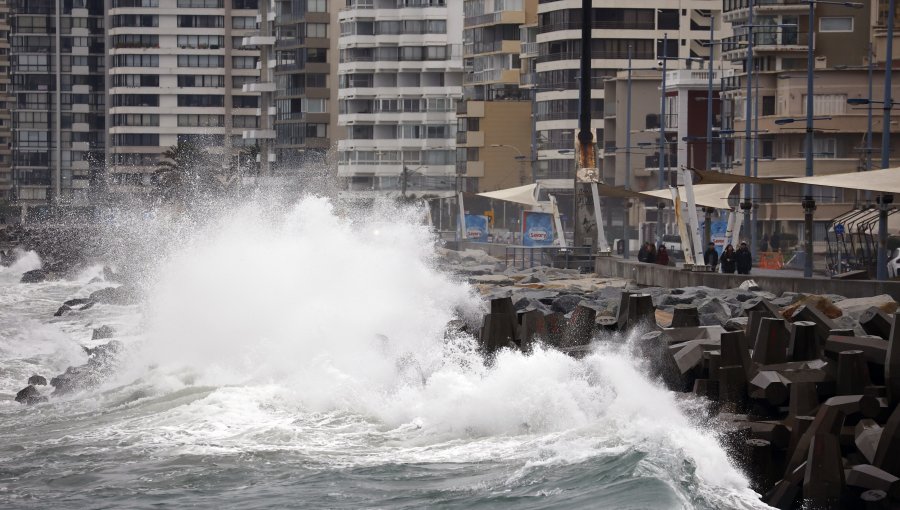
494,136
842,38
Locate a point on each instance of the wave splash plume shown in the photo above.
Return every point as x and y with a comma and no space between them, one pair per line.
304,361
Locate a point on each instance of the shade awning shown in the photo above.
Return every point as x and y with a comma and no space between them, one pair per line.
613,191
886,180
705,195
710,177
520,195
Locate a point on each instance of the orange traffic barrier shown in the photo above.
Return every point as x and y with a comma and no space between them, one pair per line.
771,260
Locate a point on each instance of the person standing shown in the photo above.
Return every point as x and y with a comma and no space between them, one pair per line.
764,243
711,256
662,258
728,260
642,253
775,241
743,259
651,254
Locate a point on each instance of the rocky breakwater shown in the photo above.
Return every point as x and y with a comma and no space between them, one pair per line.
62,248
101,360
804,388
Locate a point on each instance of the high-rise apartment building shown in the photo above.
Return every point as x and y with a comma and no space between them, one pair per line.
495,119
842,37
400,73
177,73
305,81
6,100
617,29
57,65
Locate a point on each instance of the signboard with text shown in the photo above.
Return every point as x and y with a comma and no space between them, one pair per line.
477,228
537,229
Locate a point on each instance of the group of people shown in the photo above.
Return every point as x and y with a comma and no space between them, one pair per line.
650,255
740,260
732,260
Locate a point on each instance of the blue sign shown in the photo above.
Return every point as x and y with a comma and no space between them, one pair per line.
537,229
717,232
839,229
477,228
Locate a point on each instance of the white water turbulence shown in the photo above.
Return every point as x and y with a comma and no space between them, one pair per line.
302,361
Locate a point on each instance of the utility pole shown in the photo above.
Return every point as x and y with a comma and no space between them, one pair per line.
627,217
748,118
808,203
709,91
586,207
662,141
885,201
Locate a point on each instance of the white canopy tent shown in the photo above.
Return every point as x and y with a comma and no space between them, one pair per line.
886,180
520,195
705,195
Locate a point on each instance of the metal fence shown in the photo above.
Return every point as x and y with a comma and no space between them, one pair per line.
524,257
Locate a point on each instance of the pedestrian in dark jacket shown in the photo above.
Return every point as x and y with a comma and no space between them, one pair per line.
728,260
662,258
711,256
642,253
743,259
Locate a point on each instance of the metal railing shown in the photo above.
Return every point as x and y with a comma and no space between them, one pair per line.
524,257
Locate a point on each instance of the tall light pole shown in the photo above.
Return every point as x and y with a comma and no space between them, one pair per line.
627,217
885,201
748,112
662,141
709,92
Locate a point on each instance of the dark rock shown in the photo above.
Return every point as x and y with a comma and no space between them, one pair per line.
123,295
736,324
38,380
101,362
103,332
29,395
34,276
566,303
62,310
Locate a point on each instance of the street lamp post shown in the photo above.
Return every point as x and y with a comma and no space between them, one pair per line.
881,271
627,217
662,141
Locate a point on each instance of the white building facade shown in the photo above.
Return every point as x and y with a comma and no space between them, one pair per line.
400,77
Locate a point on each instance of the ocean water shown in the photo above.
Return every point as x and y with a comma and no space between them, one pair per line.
300,360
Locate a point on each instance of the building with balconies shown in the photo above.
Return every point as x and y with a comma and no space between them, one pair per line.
58,101
7,213
618,31
494,128
842,37
400,79
182,71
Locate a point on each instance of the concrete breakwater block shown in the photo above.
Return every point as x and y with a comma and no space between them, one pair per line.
875,322
685,316
771,342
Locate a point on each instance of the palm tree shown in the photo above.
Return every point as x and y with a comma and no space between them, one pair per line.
182,172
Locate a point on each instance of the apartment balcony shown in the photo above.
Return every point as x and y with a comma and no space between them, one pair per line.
505,17
501,46
738,10
490,76
258,134
474,168
258,87
81,146
81,165
529,50
81,89
258,40
470,138
81,127
765,42
796,167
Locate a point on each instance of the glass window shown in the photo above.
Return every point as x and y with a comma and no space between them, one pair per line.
836,24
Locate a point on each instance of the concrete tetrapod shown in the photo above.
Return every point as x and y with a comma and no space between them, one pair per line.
770,386
771,342
873,349
892,364
887,456
875,322
734,351
580,329
852,373
685,316
804,345
806,313
866,434
824,477
640,310
870,477
622,317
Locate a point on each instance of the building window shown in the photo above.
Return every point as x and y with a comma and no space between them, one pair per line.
201,61
191,80
201,101
244,62
836,24
243,22
201,4
136,61
245,101
316,5
203,42
135,100
135,119
317,30
200,120
135,80
136,139
201,21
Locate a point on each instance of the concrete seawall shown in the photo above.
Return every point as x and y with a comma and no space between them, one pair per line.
671,277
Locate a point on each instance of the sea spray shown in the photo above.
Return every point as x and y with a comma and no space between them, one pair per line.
290,348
